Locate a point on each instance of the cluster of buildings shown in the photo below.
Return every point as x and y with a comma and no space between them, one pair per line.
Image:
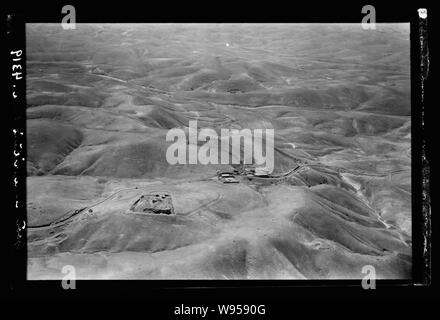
247,171
227,177
261,172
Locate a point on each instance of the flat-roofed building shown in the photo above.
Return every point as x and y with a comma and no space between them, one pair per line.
261,172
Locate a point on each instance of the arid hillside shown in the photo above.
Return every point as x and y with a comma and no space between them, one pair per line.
101,99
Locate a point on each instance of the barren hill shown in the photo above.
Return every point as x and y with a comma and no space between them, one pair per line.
101,99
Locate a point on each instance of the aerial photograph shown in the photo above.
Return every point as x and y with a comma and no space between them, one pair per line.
174,151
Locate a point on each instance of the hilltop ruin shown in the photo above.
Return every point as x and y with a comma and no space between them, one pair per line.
154,203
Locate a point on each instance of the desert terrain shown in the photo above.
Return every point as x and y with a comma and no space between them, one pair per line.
101,99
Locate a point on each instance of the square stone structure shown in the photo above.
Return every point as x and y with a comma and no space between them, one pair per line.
154,203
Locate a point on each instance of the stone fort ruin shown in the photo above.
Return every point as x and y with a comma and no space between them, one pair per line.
154,203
